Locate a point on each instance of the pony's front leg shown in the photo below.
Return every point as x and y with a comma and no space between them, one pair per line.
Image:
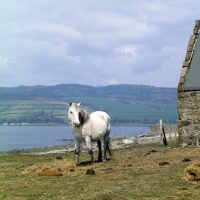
89,147
77,151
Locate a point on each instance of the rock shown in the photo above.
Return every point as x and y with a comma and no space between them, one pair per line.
128,141
184,145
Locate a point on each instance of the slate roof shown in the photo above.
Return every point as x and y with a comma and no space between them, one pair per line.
190,73
192,81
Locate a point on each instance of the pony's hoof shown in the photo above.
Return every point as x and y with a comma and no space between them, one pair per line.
99,160
104,160
92,162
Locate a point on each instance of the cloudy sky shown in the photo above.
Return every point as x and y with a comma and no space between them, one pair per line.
94,42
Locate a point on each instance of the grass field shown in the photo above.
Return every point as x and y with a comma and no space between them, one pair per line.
133,173
127,109
117,109
14,110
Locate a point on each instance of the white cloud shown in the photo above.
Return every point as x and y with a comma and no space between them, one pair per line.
3,61
170,49
113,82
49,29
106,42
127,49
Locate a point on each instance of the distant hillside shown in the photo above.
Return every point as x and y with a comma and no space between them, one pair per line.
126,104
134,92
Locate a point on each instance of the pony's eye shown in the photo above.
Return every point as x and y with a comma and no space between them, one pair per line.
71,112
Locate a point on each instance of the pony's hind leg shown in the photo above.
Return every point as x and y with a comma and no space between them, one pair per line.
105,148
77,157
100,152
89,147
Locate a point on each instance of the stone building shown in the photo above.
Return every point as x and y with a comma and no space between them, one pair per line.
189,91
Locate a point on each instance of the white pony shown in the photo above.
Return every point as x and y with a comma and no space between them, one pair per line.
90,128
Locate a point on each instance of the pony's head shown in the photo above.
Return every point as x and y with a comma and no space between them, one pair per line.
74,113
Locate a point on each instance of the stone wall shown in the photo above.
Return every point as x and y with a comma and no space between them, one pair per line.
189,116
188,101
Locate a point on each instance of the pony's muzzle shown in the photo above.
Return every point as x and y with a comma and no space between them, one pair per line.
76,124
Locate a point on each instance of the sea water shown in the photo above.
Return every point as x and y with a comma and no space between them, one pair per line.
24,137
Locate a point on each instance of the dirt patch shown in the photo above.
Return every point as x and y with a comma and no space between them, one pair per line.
90,172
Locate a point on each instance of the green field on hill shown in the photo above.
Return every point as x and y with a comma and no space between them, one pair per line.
126,104
55,112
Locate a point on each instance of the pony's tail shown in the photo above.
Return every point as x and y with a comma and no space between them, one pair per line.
110,151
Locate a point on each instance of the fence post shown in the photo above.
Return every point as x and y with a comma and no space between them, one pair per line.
170,135
161,132
175,139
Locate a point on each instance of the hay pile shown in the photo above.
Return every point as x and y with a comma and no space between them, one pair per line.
192,173
56,168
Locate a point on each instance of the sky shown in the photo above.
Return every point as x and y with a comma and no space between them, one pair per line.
101,42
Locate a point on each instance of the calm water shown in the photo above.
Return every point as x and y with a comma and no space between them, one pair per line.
24,137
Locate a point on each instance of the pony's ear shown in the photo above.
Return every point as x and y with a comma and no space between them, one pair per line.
70,103
79,104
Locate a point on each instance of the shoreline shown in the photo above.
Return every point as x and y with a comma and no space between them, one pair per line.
116,143
146,125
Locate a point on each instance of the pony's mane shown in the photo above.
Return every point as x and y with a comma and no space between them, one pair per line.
83,116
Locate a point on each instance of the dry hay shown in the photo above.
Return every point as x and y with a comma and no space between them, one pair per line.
196,151
56,168
118,166
66,167
49,172
192,173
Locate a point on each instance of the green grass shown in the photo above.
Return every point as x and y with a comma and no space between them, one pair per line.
127,109
117,109
130,174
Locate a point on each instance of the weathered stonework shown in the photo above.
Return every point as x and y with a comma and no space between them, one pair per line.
188,55
188,101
